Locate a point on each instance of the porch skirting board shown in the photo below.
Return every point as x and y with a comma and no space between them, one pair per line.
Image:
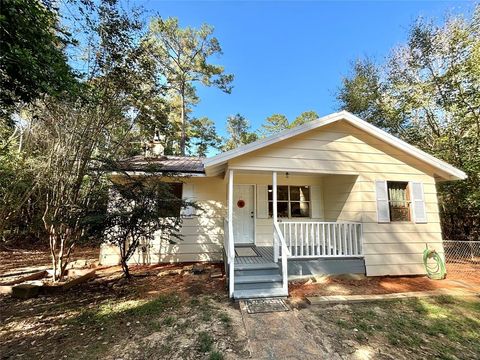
298,268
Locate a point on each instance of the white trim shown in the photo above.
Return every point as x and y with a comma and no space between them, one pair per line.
268,170
230,199
231,240
413,201
254,213
382,199
274,214
455,174
326,257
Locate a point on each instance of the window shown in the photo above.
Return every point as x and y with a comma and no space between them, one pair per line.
398,201
172,200
292,201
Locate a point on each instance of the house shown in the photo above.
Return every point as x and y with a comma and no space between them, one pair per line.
336,195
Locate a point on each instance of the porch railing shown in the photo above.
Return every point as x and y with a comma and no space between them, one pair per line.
322,239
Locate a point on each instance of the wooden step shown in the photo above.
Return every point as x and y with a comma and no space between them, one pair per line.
250,279
257,272
258,286
259,293
262,266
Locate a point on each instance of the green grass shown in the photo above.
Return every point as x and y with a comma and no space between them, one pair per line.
446,326
134,310
205,342
204,308
225,319
215,355
169,321
342,323
207,314
194,302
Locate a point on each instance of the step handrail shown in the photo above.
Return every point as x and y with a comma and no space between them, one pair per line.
230,252
277,235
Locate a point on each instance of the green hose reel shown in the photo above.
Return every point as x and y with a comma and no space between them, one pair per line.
434,264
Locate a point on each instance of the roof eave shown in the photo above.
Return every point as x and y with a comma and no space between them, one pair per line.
157,173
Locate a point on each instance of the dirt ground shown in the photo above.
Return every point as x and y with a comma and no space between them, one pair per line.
16,260
377,285
441,327
168,312
178,316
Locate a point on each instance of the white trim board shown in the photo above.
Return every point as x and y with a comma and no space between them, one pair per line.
220,159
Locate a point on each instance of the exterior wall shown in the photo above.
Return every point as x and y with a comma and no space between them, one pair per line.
202,234
264,226
397,248
340,193
344,163
353,161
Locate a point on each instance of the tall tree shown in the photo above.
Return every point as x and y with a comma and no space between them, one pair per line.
202,136
274,124
183,57
238,128
73,139
32,60
303,118
17,202
364,92
428,93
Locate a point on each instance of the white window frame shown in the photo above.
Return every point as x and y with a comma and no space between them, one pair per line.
289,202
409,202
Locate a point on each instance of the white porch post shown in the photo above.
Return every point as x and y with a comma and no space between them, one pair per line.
275,215
230,197
231,241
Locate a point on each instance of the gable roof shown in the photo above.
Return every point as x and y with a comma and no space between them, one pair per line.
220,159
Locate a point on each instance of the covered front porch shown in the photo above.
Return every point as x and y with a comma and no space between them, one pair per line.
273,232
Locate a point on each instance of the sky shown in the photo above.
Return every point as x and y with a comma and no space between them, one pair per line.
290,56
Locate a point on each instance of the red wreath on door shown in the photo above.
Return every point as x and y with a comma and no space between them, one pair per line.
241,203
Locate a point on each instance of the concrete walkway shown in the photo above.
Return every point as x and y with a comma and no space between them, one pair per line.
279,335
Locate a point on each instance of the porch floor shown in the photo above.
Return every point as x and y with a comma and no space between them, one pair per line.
265,255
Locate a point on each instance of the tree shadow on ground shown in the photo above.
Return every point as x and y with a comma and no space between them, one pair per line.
87,320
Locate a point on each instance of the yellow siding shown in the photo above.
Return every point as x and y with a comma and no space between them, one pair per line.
338,148
264,227
202,234
344,162
351,161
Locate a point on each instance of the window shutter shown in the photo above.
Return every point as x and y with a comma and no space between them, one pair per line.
316,202
188,194
383,211
418,202
262,202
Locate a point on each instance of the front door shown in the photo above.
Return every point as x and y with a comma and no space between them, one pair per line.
243,213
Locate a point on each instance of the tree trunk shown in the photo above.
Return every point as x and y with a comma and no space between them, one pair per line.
183,119
125,269
60,260
123,260
54,266
53,255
